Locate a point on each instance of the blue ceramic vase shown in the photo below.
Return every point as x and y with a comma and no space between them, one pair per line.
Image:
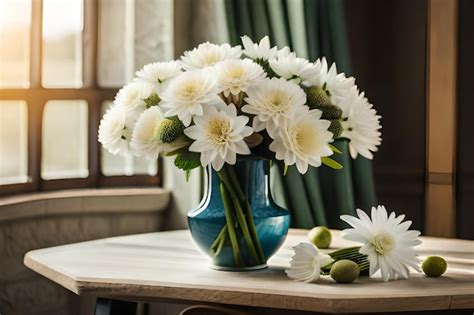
258,225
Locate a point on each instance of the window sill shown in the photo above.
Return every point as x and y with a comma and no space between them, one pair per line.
109,200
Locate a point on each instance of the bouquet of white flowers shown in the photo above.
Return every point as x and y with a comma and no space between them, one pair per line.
218,103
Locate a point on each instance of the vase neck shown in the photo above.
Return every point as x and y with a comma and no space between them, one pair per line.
252,175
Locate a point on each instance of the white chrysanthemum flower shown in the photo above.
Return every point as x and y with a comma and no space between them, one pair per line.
290,67
188,94
238,75
361,124
147,138
219,136
303,140
307,262
337,84
272,102
207,54
261,51
159,72
386,241
114,132
131,97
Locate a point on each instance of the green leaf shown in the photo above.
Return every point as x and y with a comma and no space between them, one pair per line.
187,161
285,169
331,163
335,149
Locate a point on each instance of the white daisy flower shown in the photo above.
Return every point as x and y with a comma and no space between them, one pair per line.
131,98
386,241
207,54
361,124
188,94
303,140
290,67
272,102
114,132
159,72
219,136
238,75
147,137
260,51
337,84
307,262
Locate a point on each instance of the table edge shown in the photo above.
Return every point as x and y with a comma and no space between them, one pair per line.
150,293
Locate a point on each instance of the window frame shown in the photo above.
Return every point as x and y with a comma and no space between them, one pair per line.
36,97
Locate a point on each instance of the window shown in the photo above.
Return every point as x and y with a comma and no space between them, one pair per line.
56,80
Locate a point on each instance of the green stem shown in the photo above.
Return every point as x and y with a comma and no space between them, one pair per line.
219,236
248,212
245,230
230,225
222,241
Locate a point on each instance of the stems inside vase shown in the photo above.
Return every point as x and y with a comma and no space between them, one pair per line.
239,220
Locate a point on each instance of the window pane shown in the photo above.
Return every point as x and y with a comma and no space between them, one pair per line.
13,142
62,43
116,37
15,20
64,142
116,165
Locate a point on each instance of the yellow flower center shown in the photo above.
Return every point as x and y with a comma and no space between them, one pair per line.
211,58
278,102
236,73
190,90
383,243
218,131
305,139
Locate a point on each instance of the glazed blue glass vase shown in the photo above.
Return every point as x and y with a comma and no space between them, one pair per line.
239,228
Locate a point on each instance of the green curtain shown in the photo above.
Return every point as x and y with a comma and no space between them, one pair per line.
313,29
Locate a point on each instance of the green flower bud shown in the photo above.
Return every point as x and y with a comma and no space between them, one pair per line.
317,97
170,130
434,266
330,112
344,271
320,236
152,100
335,128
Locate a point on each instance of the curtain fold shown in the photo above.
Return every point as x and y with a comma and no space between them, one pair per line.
313,29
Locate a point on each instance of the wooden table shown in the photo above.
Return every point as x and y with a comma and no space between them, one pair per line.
167,265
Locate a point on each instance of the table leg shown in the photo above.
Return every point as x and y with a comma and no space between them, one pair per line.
115,307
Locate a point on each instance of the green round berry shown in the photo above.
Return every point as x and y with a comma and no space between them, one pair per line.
317,97
336,128
344,271
320,236
434,266
170,129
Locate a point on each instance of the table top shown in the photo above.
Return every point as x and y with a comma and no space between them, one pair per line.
167,265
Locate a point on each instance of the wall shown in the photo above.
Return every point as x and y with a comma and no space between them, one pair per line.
388,48
49,219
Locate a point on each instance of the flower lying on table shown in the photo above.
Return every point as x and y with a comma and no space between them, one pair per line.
388,246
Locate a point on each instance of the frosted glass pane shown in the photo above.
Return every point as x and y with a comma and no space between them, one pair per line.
116,165
13,142
116,37
62,43
64,142
15,22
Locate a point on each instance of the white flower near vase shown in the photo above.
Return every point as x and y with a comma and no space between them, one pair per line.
386,241
261,51
159,73
307,262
